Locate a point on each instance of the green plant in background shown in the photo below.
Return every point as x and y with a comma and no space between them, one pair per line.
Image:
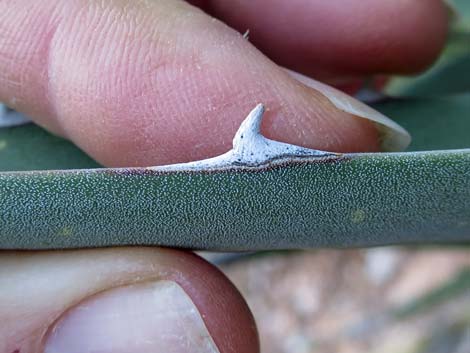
334,200
450,74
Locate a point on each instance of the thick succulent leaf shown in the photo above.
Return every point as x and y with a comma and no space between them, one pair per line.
320,200
351,200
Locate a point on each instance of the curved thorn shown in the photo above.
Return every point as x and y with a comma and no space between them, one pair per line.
250,127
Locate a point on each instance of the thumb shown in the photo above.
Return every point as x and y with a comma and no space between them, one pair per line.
120,301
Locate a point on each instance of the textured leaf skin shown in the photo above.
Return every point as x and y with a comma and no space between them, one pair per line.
353,200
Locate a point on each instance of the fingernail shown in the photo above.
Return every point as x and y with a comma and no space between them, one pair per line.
154,317
392,136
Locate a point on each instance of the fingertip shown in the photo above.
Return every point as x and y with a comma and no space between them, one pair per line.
225,312
123,300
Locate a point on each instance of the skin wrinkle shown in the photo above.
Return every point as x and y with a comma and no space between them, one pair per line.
51,106
31,51
165,73
103,38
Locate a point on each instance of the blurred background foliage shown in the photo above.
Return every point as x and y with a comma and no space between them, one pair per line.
450,74
381,300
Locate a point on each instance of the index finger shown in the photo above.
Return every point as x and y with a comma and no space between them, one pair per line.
159,82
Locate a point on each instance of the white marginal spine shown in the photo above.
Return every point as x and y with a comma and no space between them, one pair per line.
250,150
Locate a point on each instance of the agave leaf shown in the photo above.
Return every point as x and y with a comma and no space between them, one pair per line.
352,200
297,201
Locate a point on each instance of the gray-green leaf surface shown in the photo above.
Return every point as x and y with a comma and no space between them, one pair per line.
354,200
346,200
